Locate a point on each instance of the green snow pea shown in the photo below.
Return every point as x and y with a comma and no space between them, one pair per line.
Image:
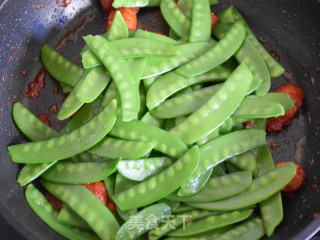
246,162
119,28
153,120
217,55
281,98
163,141
151,35
200,30
118,148
262,188
157,66
217,151
186,7
177,221
59,67
211,223
208,138
148,81
30,172
218,188
137,66
176,19
135,3
170,83
160,185
79,173
150,217
73,143
70,218
172,204
226,126
217,109
121,74
143,107
87,206
48,214
93,84
110,183
111,93
183,208
249,230
141,169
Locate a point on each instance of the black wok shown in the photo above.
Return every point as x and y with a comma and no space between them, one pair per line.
290,28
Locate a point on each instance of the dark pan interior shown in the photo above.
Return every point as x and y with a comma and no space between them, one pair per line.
291,28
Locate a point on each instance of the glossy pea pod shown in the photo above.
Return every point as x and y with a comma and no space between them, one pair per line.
160,185
249,230
176,19
218,188
177,221
141,169
186,7
200,29
281,98
137,66
147,82
73,143
135,3
217,151
217,55
87,206
172,204
246,162
226,126
183,208
79,173
163,141
184,104
110,183
48,214
208,138
262,188
155,36
151,119
120,71
70,218
217,109
59,67
211,223
170,83
157,211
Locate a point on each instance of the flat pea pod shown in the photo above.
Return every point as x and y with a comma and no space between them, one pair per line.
211,223
186,7
110,182
59,67
177,221
93,84
141,169
217,151
70,218
157,66
160,185
157,211
137,66
148,81
151,35
208,138
135,3
79,173
246,162
261,189
183,208
226,126
119,28
114,148
200,30
48,214
163,141
170,83
87,206
229,95
176,19
218,188
120,72
111,93
151,119
184,104
217,55
172,204
249,230
282,98
73,143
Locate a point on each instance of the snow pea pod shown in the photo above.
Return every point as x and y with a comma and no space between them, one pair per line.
59,67
70,218
186,7
282,98
87,206
119,28
218,188
153,120
200,29
217,151
226,126
141,169
209,137
163,141
73,143
148,81
211,223
135,3
160,185
151,35
246,162
217,55
249,230
137,66
261,189
183,208
79,173
170,83
172,204
157,66
229,95
185,103
120,72
130,230
176,19
118,148
48,214
110,183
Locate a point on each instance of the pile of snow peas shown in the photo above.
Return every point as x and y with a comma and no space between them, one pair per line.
160,121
